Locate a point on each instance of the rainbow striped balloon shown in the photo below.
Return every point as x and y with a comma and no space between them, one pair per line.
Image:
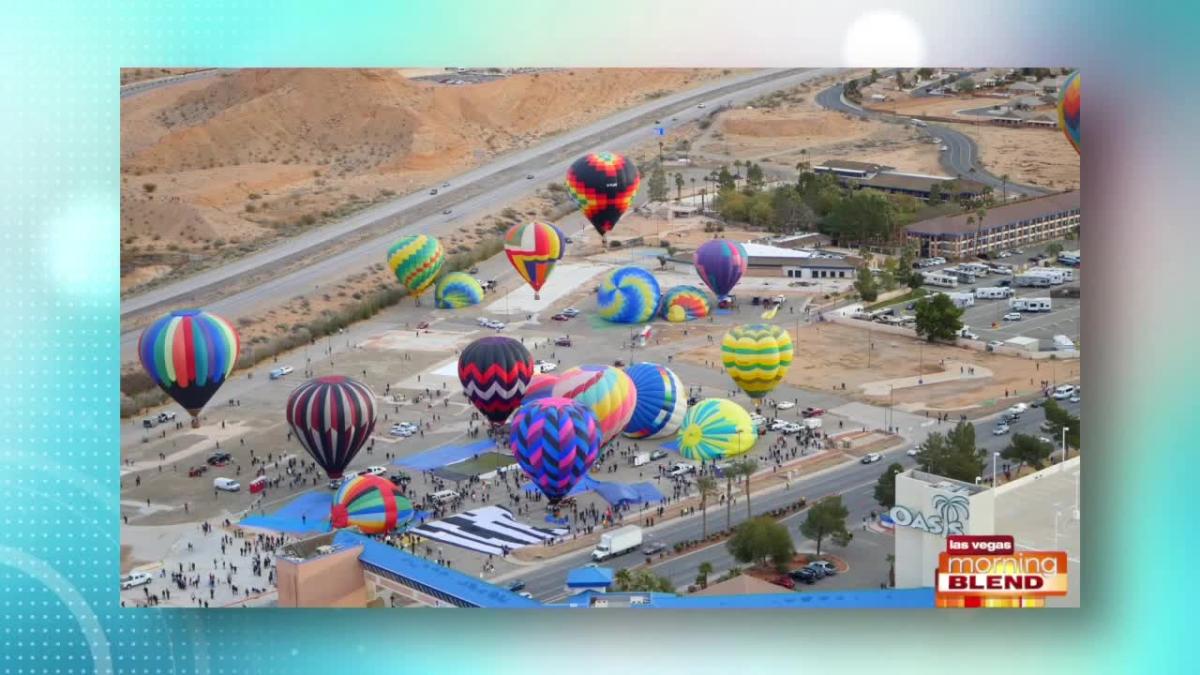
189,353
533,249
416,261
606,391
685,303
757,357
457,290
661,401
628,295
370,503
555,441
716,428
1068,109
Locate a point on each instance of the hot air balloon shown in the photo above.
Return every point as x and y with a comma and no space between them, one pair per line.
332,417
604,184
555,441
661,401
189,353
606,391
716,428
370,503
628,295
721,264
533,249
684,303
416,261
494,372
456,290
541,386
757,357
1068,109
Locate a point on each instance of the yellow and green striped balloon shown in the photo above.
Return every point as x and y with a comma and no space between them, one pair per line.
716,428
416,261
457,290
757,357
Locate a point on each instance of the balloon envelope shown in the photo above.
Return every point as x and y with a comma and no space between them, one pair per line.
494,372
370,503
721,264
604,184
189,353
541,386
685,303
332,417
661,401
757,357
1068,109
606,391
555,441
416,261
456,290
716,428
533,249
628,295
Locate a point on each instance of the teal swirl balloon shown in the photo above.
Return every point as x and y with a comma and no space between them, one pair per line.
457,290
628,295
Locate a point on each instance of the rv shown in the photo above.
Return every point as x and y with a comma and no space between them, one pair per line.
961,300
939,279
1029,304
963,276
978,269
1069,258
1032,280
993,292
1067,273
1054,275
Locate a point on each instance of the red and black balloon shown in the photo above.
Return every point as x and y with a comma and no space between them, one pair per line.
494,372
604,184
332,417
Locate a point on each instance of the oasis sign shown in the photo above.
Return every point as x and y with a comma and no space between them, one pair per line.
950,515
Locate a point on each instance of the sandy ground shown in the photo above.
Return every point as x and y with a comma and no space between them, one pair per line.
828,356
1040,157
213,166
131,75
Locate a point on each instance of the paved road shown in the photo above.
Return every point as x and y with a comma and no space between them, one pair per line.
1029,424
961,157
136,88
475,191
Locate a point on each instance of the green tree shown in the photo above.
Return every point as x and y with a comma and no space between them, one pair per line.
952,455
745,468
642,580
865,285
827,518
1059,419
965,86
678,186
937,194
873,76
725,179
789,212
899,79
1025,449
702,573
885,488
762,541
755,177
1054,249
657,184
938,318
861,217
925,73
707,486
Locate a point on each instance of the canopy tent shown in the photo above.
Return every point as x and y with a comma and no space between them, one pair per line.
590,576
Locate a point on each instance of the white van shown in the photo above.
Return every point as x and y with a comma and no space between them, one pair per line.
227,484
1064,391
280,372
443,496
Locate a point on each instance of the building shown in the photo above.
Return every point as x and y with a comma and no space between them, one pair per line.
885,179
802,240
1007,226
892,598
1022,343
766,260
849,169
1023,88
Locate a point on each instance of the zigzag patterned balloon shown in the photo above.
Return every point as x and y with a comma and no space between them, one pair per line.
555,442
540,386
494,372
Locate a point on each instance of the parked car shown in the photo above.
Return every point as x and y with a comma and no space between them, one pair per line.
399,477
546,366
374,471
812,412
912,452
1063,392
823,565
561,317
197,471
528,176
653,548
571,312
279,372
219,459
791,428
681,469
433,191
562,342
335,483
1012,316
785,581
446,212
803,575
1074,398
657,454
226,484
871,458
785,405
135,579
1018,408
517,585
619,363
1000,429
423,325
994,344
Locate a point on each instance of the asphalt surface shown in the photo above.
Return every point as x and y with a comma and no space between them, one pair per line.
961,157
135,88
469,194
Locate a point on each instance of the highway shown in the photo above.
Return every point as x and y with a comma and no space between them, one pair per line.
961,157
475,191
135,88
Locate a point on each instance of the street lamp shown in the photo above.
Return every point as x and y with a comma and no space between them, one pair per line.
1064,445
995,461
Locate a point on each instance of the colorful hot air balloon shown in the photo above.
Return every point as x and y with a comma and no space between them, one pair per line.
628,295
332,417
533,249
604,184
661,401
757,357
416,261
494,372
456,290
189,353
370,503
541,386
721,264
684,303
1068,109
555,441
716,428
606,391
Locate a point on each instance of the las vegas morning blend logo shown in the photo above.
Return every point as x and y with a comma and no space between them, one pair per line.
988,571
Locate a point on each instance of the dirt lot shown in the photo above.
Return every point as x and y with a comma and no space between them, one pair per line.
1032,156
829,355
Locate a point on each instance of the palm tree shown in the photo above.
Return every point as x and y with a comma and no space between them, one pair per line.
729,498
623,579
970,222
693,189
746,468
678,187
707,485
1004,188
979,216
704,570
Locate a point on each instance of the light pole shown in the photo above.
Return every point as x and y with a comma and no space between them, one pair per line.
1064,446
995,462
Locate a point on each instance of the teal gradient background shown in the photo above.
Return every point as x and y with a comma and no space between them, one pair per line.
59,120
